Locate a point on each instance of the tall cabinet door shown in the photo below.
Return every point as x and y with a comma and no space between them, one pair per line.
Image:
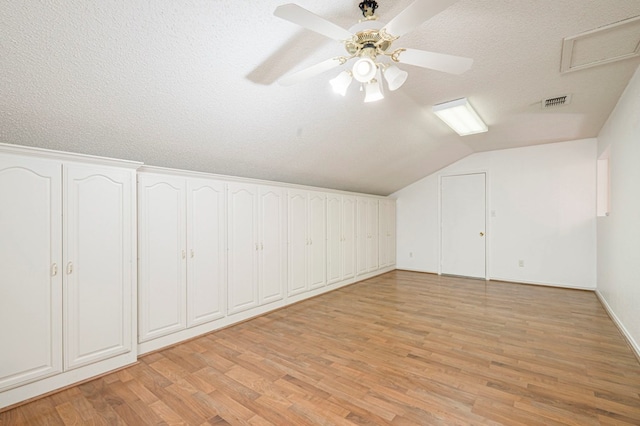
317,231
242,286
348,237
162,248
387,223
273,244
298,242
334,238
30,270
206,250
383,219
362,236
372,229
98,227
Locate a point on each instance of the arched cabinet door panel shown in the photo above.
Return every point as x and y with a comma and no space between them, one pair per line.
273,244
30,270
206,251
243,246
98,272
163,254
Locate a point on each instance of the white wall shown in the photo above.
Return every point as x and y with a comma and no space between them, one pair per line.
544,200
619,233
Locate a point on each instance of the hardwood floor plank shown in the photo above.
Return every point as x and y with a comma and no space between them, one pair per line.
403,348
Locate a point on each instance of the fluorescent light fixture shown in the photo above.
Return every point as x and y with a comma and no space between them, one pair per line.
461,117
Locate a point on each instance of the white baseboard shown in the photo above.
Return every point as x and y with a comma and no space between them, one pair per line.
634,345
542,283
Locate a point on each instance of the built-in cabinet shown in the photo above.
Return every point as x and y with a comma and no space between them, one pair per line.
307,241
341,234
387,233
182,253
367,235
256,245
67,268
212,251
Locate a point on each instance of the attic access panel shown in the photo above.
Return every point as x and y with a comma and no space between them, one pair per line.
611,43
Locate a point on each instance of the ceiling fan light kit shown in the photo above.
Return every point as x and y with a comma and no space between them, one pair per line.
373,91
460,116
341,82
369,42
395,77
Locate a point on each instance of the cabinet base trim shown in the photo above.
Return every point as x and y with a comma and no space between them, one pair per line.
236,318
40,388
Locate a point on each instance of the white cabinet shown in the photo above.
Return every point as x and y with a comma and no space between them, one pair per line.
257,250
182,256
206,256
341,215
97,246
30,270
162,255
67,298
387,233
242,285
317,259
307,241
272,225
367,235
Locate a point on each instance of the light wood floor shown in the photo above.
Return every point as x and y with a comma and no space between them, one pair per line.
402,348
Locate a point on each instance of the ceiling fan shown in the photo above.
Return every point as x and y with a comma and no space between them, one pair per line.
370,42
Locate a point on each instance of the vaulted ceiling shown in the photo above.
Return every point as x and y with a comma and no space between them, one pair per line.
192,85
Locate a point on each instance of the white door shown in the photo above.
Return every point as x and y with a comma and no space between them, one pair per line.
298,242
206,250
387,209
162,252
334,238
317,262
372,229
362,236
242,285
30,270
348,237
392,233
463,225
273,244
97,239
383,246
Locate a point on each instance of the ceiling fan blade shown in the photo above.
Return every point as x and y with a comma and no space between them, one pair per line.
435,61
312,71
309,20
415,14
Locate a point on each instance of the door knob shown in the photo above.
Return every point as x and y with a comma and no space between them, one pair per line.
482,234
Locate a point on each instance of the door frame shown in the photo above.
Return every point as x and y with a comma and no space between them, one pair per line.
487,222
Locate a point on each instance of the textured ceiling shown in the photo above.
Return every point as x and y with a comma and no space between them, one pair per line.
191,84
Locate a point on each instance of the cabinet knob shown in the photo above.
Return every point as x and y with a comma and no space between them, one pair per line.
54,269
69,268
192,253
184,254
256,246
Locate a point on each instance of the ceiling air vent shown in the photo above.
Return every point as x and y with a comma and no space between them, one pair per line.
556,102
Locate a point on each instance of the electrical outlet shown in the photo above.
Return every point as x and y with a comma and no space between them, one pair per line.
521,263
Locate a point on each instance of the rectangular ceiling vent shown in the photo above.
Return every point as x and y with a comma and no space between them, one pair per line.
556,102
